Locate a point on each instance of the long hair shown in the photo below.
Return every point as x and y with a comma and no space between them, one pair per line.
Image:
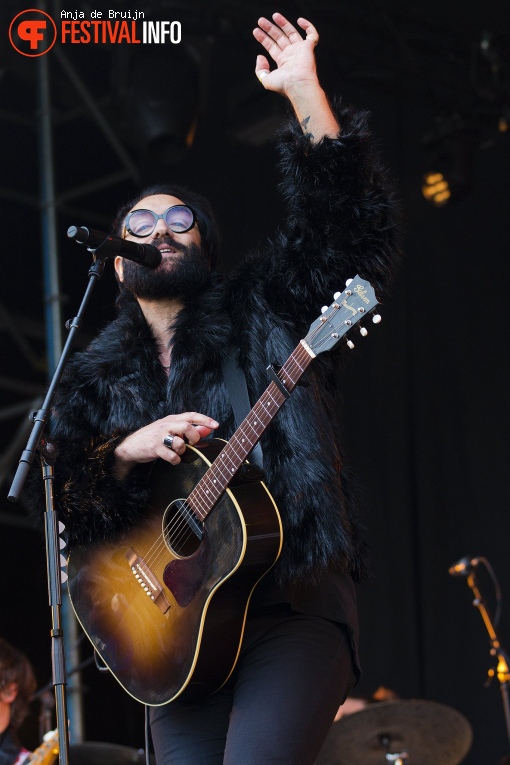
16,668
205,217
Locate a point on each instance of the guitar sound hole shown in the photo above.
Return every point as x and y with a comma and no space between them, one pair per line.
182,530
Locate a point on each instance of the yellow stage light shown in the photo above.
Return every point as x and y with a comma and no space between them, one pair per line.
435,189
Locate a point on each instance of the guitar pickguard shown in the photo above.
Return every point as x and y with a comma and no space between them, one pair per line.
185,577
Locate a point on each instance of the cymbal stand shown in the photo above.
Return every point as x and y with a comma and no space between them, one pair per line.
501,671
397,758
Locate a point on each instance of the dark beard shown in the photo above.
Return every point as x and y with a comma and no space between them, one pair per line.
183,277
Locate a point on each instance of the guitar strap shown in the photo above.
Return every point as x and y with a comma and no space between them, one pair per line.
235,381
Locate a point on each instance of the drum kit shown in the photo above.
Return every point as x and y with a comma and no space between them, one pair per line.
410,732
403,732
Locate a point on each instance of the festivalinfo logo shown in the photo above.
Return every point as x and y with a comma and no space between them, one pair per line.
33,32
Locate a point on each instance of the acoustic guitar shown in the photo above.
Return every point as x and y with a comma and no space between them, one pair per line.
164,604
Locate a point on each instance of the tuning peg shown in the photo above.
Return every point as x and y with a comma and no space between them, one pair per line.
363,332
348,282
376,318
350,344
336,295
324,308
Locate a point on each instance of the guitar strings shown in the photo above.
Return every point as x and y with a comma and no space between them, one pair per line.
201,500
178,526
181,524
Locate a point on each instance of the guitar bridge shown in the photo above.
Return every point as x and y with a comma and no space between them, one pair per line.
148,582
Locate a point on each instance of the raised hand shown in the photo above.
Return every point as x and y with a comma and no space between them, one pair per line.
295,75
292,54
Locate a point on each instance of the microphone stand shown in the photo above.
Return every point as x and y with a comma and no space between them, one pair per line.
51,525
501,671
47,702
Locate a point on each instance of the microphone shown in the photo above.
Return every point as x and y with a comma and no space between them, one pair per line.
144,254
464,566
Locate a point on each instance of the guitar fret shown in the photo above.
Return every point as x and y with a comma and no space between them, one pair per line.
272,398
196,508
251,426
216,479
266,408
261,416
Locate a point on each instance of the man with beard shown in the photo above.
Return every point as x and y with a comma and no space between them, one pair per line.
153,380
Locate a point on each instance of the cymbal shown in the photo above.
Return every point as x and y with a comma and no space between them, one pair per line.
432,733
99,753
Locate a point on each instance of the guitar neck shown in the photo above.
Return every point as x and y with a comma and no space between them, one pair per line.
216,479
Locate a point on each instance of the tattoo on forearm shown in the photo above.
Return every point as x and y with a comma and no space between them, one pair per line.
304,125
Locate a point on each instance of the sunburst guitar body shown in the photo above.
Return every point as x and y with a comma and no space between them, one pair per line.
164,609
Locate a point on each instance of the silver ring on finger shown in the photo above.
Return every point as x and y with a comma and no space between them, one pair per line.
168,441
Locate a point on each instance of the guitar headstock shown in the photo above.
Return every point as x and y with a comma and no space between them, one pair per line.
339,319
47,752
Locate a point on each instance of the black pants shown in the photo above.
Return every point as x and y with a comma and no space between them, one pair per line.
293,673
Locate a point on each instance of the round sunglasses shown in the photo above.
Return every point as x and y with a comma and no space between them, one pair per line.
178,218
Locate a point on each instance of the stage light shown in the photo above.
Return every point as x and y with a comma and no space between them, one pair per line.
435,189
451,146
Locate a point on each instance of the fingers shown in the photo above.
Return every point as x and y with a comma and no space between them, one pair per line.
188,428
269,44
196,417
276,33
287,28
309,29
185,431
178,445
186,425
282,33
277,36
168,455
146,444
262,67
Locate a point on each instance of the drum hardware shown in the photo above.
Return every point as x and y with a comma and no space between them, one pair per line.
398,759
402,732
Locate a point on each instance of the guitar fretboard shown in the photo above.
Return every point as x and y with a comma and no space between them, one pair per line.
216,479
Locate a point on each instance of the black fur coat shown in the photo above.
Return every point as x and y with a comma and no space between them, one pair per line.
341,221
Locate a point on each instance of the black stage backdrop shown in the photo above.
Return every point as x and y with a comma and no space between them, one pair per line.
424,399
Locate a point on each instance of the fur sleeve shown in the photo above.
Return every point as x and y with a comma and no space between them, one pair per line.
91,502
342,218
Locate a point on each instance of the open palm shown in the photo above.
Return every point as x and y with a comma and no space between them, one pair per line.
293,54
